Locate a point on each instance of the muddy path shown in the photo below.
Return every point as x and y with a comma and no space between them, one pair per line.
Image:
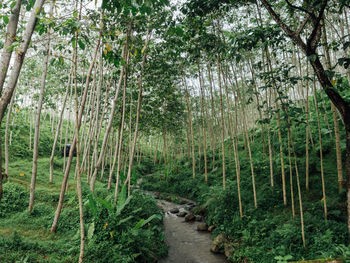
186,244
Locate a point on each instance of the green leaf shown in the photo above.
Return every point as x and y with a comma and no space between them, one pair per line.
105,204
92,205
13,4
312,57
125,220
122,206
6,19
73,42
81,44
143,222
91,230
121,197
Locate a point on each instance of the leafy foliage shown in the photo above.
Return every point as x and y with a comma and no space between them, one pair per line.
118,232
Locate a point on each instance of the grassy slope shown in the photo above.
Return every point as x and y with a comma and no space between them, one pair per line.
35,228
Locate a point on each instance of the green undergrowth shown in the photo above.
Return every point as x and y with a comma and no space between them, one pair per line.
129,231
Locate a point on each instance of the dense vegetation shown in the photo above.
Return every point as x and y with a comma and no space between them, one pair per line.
243,106
269,232
129,231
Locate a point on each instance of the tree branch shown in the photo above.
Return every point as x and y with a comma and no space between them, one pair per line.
299,8
277,18
292,34
316,33
302,25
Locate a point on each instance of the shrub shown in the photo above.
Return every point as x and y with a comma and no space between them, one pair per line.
14,199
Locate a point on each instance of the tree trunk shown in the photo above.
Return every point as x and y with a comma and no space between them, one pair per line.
138,110
335,118
203,122
321,152
120,143
37,122
188,102
116,150
6,139
70,158
7,94
222,126
235,150
340,103
9,39
213,112
77,168
59,126
110,122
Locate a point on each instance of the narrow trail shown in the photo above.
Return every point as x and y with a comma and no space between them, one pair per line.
186,244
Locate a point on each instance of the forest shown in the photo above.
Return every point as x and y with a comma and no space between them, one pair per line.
120,117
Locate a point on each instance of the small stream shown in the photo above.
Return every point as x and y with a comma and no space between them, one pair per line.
186,244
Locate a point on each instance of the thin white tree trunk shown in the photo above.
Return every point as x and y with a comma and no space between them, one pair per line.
9,39
7,94
70,158
110,124
59,126
6,139
37,121
139,101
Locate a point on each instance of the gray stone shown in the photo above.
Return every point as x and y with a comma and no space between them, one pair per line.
202,227
182,214
199,218
183,202
218,243
229,250
190,217
211,228
202,211
174,210
190,205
